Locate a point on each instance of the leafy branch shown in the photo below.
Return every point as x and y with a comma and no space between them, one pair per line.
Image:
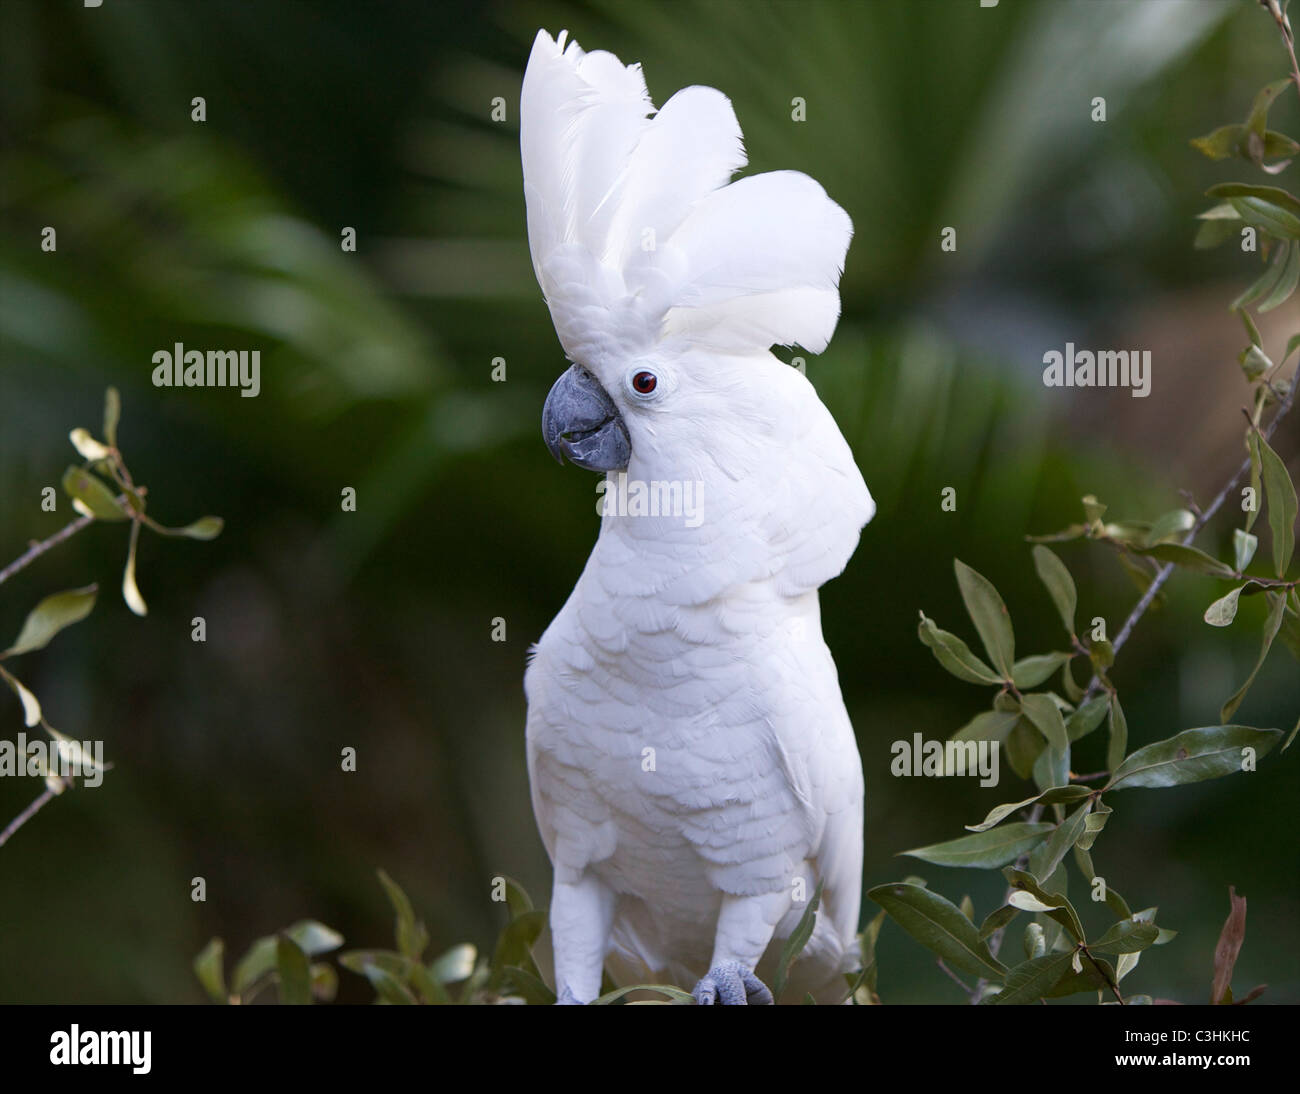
100,489
1038,729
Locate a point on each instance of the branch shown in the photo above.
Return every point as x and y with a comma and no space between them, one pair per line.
26,815
1162,575
37,549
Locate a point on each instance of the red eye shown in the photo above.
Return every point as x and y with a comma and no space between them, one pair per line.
644,382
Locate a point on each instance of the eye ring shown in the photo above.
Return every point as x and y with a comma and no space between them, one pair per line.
644,382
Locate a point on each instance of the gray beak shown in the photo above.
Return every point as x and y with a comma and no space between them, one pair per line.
580,421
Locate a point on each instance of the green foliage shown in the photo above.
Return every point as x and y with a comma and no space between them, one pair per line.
1039,728
100,489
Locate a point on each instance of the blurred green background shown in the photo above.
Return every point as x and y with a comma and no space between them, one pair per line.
373,629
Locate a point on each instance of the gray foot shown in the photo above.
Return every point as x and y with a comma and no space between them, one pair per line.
566,998
731,984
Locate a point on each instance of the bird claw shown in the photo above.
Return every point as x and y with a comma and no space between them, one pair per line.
731,984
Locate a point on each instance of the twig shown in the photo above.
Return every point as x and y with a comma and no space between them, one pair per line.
1101,971
26,815
995,939
1284,28
37,549
955,978
1162,575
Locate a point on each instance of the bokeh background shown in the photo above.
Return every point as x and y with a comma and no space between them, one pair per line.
373,629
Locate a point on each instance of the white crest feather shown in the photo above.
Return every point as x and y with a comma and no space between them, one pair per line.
637,234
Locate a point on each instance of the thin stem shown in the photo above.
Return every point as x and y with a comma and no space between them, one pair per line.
26,815
1101,971
1162,575
955,978
37,549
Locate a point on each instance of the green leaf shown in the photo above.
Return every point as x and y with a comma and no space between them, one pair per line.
388,987
90,497
87,447
1035,943
411,936
1287,278
1046,716
1028,895
1029,672
1127,936
1023,746
954,655
1253,361
1282,505
1029,982
31,705
796,942
50,616
1054,796
455,965
1257,120
430,990
1277,604
939,926
203,528
390,961
295,977
1190,558
313,937
1052,572
674,996
1072,690
1065,836
1243,548
1088,978
112,415
1168,525
990,616
1087,718
1192,756
1222,143
987,848
517,899
130,590
209,968
1128,531
988,725
1215,233
1252,445
1291,344
516,941
1118,745
1092,826
324,982
1224,610
1267,208
257,962
999,918
1102,654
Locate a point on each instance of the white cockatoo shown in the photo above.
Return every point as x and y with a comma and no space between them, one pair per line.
693,770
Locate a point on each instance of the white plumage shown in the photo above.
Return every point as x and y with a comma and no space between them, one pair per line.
693,768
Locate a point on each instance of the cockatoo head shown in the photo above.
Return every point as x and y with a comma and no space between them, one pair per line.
668,284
